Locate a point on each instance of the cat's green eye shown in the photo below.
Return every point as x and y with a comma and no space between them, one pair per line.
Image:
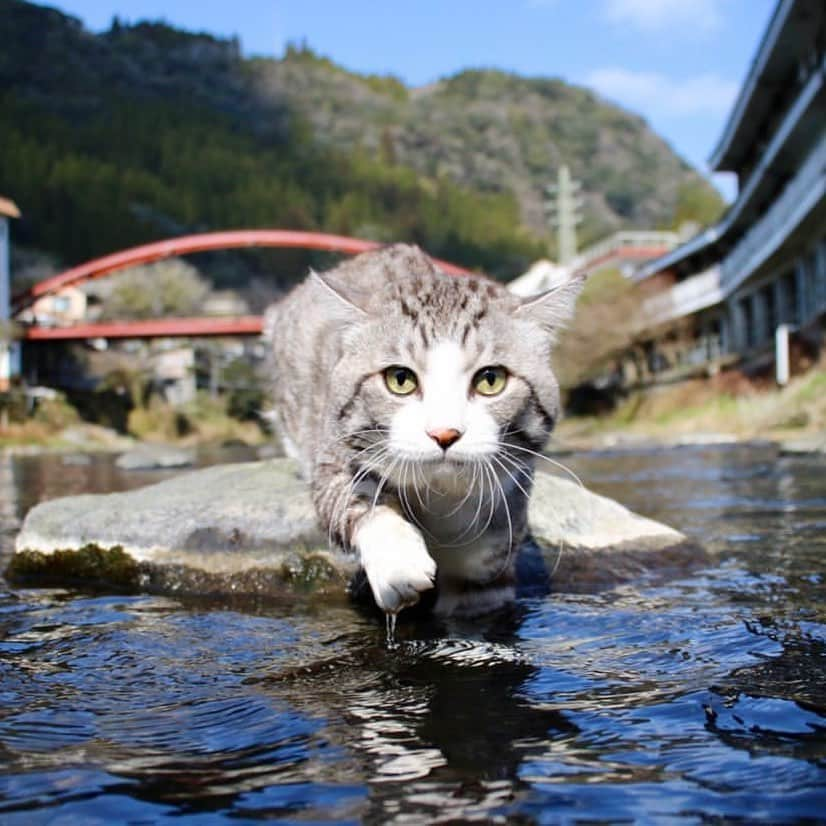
400,380
490,381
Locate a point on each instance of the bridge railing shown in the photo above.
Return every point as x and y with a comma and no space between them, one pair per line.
657,239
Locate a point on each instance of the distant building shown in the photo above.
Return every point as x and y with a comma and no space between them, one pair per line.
9,352
542,275
225,302
722,295
60,309
621,251
174,373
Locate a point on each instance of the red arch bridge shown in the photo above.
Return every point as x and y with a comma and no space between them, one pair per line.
620,249
179,327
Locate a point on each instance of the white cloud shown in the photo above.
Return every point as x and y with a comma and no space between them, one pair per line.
659,15
655,94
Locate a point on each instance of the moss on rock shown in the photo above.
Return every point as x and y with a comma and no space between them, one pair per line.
90,565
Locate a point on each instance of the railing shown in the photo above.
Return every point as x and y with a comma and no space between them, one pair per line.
150,328
684,298
624,239
801,193
806,100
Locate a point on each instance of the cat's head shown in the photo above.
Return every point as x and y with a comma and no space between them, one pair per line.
441,370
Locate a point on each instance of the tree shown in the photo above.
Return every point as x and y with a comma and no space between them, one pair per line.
697,203
166,288
602,328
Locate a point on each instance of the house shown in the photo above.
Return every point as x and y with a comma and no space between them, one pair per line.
226,303
60,309
174,372
731,291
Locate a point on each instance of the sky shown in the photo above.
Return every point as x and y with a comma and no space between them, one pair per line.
678,63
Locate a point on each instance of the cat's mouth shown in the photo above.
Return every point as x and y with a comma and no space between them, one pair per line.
449,460
445,460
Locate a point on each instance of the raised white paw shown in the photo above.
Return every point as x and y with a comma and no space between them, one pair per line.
395,559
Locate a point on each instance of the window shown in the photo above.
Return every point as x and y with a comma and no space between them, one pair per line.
61,304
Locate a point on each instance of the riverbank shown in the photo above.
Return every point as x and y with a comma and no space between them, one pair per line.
57,426
727,407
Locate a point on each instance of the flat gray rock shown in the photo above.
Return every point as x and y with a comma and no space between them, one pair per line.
76,460
590,541
151,457
811,443
250,528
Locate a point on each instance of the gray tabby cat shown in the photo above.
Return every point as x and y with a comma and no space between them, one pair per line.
415,403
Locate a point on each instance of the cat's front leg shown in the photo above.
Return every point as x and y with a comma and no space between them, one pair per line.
394,557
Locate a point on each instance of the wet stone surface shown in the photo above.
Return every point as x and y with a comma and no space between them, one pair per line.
251,528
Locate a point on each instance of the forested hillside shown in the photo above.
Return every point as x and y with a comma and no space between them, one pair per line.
498,132
145,131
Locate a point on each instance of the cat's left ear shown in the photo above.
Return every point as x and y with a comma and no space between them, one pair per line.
553,308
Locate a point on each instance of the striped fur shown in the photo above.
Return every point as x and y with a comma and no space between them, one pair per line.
418,515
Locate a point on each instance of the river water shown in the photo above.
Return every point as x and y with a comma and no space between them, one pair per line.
699,699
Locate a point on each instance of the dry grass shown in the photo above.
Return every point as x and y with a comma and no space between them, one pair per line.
43,428
204,420
25,433
726,404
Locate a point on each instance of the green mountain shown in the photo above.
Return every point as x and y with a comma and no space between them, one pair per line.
496,132
145,131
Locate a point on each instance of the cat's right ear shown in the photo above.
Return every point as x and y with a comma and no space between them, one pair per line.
336,300
553,308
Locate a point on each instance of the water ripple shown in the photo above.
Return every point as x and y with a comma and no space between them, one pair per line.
699,699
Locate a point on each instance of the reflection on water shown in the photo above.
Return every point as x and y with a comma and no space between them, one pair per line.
701,698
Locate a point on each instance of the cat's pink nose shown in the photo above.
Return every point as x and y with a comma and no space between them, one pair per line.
444,437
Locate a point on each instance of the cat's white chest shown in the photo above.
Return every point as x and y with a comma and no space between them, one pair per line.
467,536
472,549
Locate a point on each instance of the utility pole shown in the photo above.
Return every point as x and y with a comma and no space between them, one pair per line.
564,206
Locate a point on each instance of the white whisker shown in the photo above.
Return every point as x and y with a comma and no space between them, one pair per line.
486,467
383,481
510,522
345,497
558,559
418,472
510,475
464,499
510,446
